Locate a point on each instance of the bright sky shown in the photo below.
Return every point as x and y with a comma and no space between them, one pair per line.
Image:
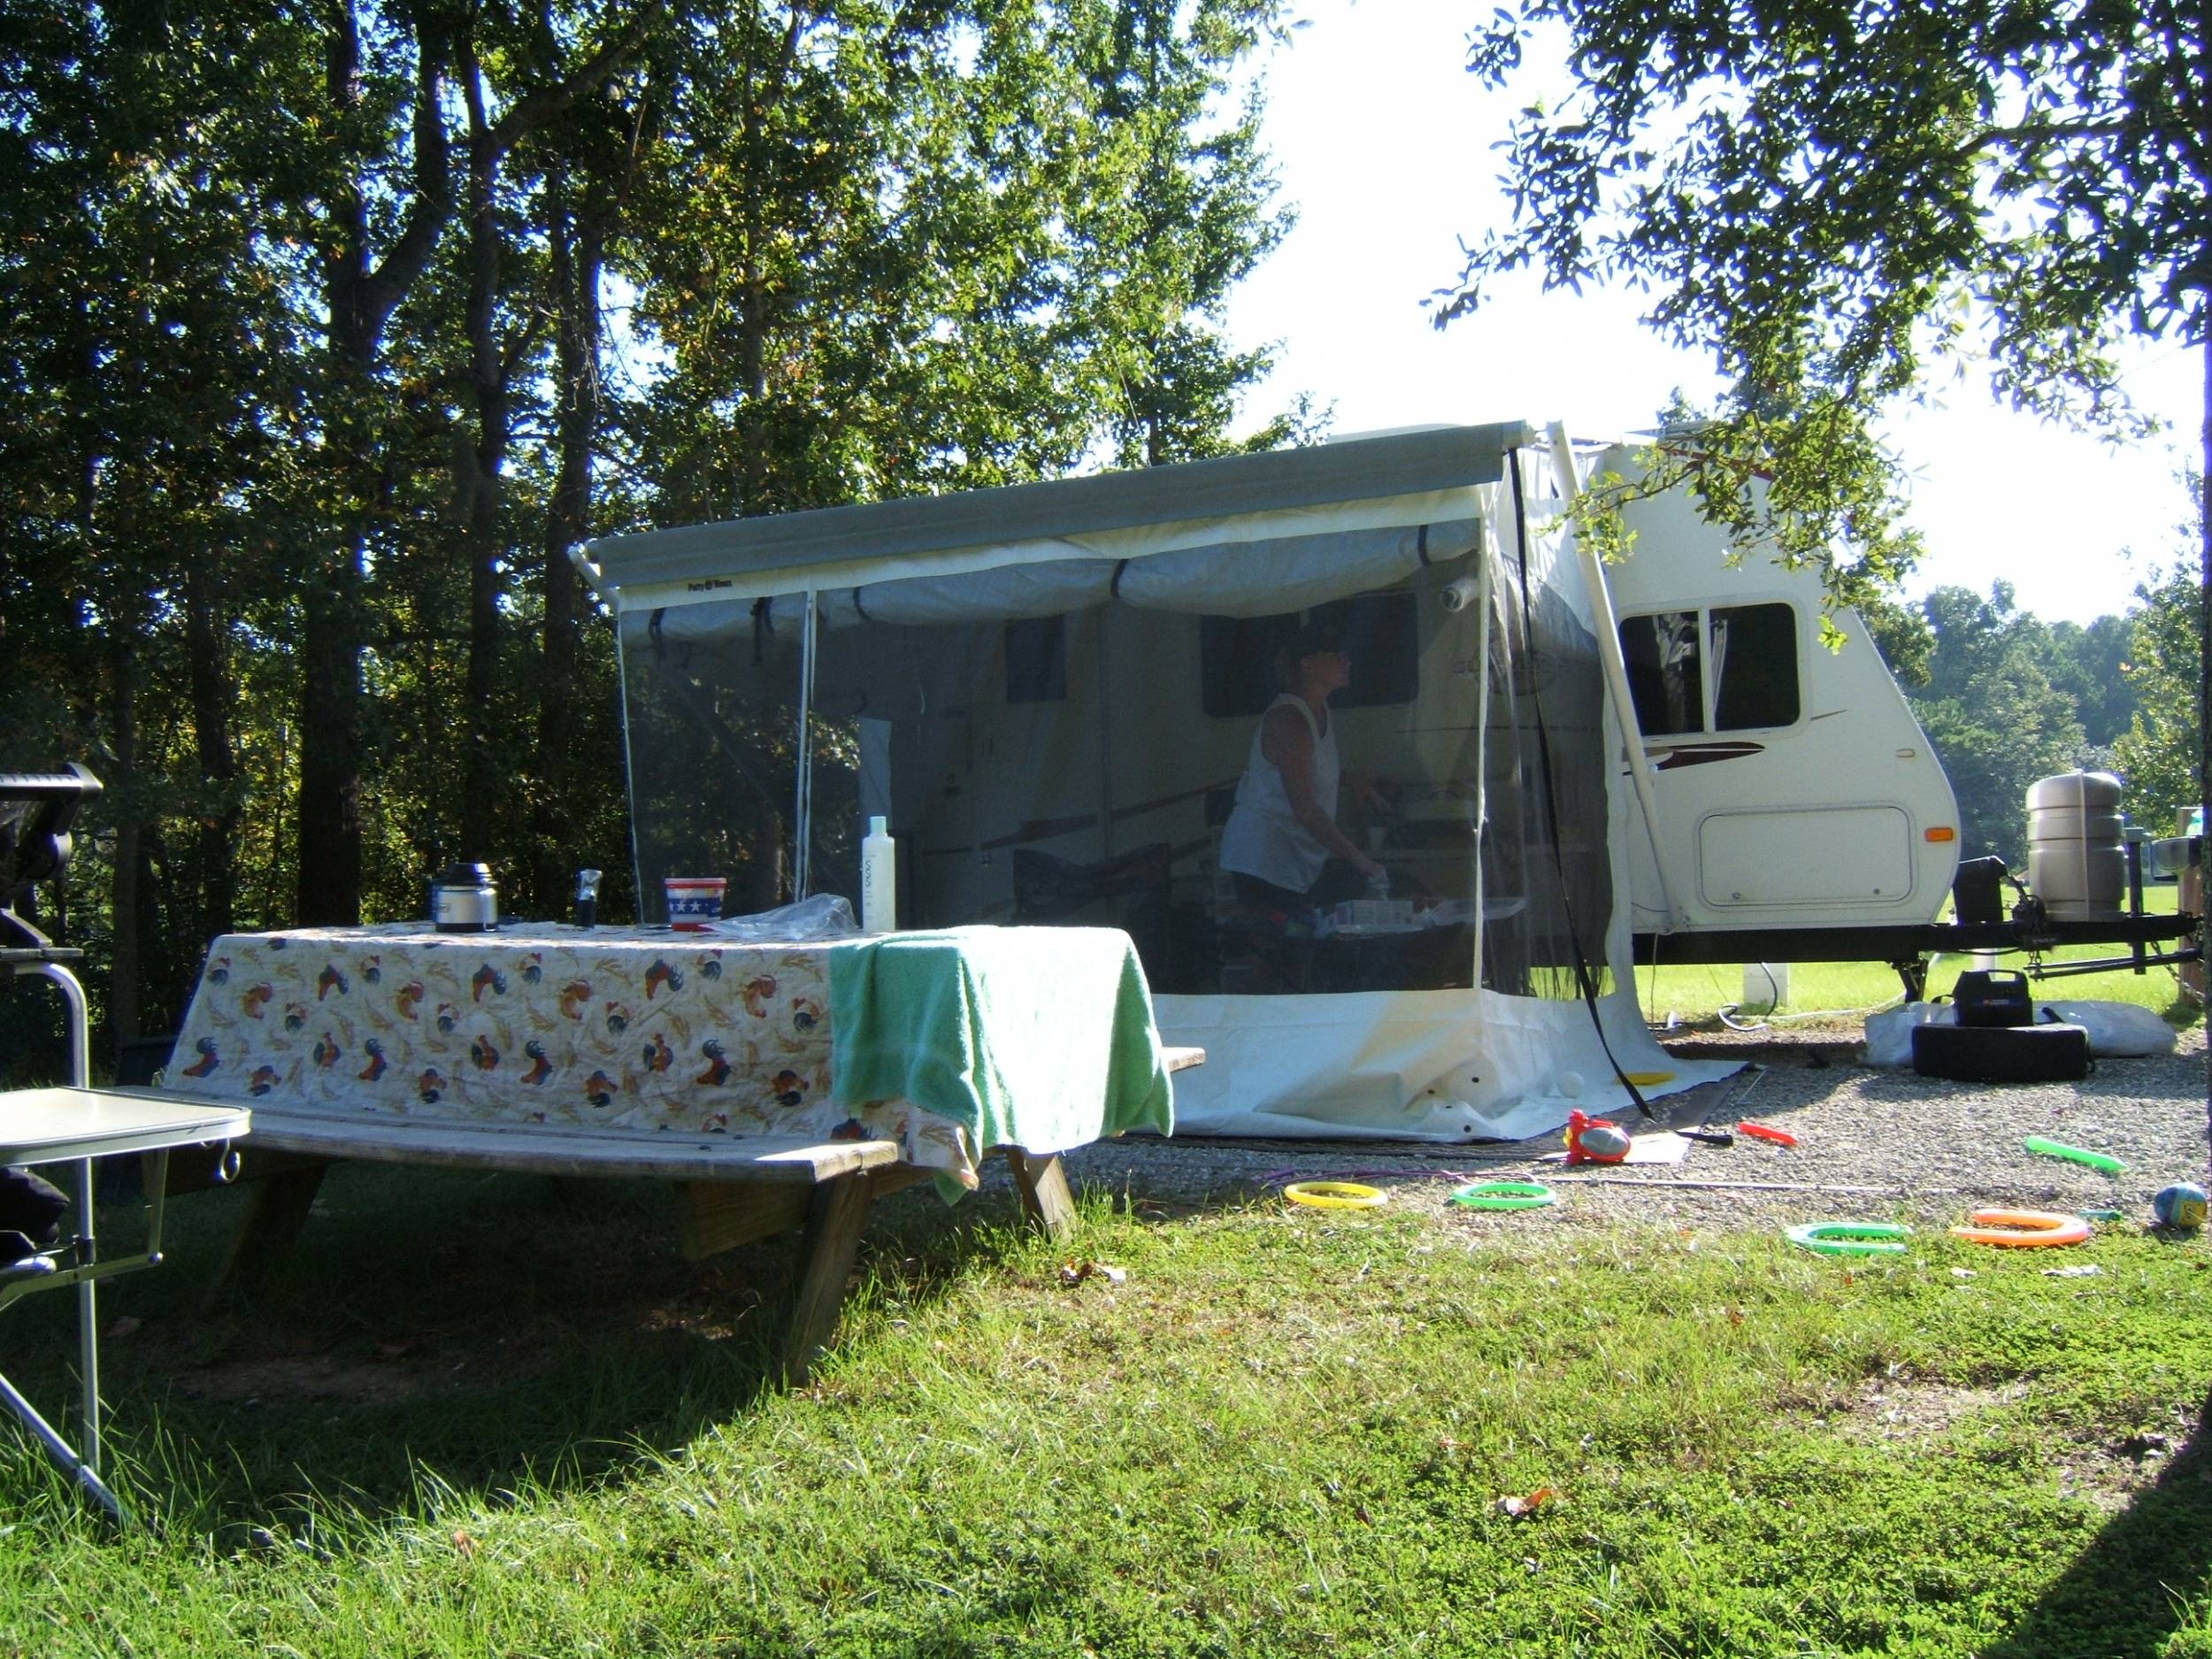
1383,143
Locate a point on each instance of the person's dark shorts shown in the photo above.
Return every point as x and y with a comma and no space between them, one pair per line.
1338,880
31,1209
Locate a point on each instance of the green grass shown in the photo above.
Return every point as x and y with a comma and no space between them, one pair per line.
474,1420
1846,991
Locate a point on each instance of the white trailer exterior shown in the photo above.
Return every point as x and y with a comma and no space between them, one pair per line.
1792,789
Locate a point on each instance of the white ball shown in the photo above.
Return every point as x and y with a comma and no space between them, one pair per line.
1570,1083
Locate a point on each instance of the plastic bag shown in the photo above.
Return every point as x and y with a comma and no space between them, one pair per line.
823,915
2116,1029
1889,1033
2122,1030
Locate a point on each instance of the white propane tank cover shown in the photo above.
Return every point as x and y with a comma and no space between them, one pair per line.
2076,856
1766,986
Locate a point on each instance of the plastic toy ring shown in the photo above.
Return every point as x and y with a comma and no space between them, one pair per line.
1335,1194
1850,1238
2024,1229
1505,1195
2102,1161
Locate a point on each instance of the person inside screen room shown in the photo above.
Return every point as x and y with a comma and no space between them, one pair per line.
1281,846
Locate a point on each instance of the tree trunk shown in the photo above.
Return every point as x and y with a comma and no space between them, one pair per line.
223,807
128,967
329,813
479,463
578,250
361,296
2204,666
483,774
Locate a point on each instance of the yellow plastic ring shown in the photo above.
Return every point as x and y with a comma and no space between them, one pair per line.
1335,1194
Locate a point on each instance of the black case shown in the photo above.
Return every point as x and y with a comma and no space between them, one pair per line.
1978,891
1993,996
2001,1054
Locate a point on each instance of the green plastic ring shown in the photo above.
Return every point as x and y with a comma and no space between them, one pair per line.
1505,1195
1850,1238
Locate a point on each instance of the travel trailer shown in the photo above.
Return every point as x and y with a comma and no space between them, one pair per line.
1794,810
1050,692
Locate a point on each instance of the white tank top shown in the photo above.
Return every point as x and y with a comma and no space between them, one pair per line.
1263,837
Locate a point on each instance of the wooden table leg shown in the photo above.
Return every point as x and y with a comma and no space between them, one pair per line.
1043,1187
835,1218
276,1210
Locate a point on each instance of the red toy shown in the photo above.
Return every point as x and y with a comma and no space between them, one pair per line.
1761,1132
1609,1145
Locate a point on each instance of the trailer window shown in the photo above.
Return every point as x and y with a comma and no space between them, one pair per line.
1238,674
1742,658
1381,632
1754,654
1236,662
1037,660
1665,679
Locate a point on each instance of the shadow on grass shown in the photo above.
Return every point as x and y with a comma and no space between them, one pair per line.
447,1333
2127,1593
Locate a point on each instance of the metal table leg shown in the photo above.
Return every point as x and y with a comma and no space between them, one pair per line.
83,1468
78,1469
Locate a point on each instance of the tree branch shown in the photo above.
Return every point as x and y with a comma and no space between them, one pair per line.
382,289
529,113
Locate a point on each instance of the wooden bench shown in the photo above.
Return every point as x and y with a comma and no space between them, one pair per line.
731,1189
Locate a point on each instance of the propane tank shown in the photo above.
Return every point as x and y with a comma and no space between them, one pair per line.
2077,855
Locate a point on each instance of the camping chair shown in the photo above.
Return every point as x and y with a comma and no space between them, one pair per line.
1128,891
78,1125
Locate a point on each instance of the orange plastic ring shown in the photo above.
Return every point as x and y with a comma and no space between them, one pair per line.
2024,1229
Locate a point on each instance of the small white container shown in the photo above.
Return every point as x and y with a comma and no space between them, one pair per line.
878,879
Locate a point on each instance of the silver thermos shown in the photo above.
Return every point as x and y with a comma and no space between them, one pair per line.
463,899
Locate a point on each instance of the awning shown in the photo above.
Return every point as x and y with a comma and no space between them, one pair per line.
1201,509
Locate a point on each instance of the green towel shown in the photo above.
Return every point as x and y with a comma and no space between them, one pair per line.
1041,1037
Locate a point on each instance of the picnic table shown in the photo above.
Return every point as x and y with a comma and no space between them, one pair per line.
707,1061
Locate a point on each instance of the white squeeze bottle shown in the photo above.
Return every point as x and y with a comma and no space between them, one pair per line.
878,879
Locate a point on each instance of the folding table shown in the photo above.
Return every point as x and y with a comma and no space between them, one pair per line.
80,1124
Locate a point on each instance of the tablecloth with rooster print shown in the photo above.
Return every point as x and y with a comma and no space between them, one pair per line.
602,1027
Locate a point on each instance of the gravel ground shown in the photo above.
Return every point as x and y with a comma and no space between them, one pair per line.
1932,1149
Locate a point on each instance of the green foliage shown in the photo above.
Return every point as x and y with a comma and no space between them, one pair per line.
326,331
886,253
1995,718
1832,201
2090,665
2158,753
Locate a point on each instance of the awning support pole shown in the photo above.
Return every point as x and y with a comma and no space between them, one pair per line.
1616,666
